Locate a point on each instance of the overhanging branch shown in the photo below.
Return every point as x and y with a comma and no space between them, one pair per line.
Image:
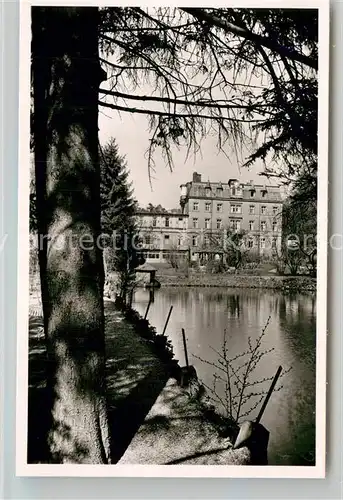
151,112
200,103
213,20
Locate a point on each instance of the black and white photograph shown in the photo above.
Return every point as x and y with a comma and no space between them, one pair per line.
172,240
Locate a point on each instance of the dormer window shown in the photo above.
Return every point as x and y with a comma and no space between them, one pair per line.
219,190
252,193
233,186
208,190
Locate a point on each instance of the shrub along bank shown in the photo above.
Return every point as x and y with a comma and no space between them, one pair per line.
159,343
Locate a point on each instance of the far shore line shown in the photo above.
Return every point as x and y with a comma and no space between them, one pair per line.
281,283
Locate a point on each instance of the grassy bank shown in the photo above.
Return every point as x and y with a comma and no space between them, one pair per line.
282,283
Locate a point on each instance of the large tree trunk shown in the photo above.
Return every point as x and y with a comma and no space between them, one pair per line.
66,76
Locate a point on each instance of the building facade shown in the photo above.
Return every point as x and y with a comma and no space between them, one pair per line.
163,234
254,210
210,212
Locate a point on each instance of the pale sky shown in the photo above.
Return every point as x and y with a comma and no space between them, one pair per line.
132,136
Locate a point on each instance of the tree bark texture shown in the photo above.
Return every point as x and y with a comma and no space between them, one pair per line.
66,75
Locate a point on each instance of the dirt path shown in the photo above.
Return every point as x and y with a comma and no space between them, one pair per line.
135,378
176,431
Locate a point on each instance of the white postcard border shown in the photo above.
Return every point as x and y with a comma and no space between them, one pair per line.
218,471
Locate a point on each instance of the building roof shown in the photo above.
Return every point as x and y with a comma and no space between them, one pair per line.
198,180
199,189
146,267
174,212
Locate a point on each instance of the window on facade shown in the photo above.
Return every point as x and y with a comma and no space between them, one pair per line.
166,222
250,243
251,225
154,222
207,207
274,210
207,223
263,194
263,225
194,241
195,223
153,255
263,242
195,206
233,191
252,193
206,241
274,226
166,237
236,209
147,240
235,225
219,223
179,241
219,207
207,191
251,209
274,243
263,210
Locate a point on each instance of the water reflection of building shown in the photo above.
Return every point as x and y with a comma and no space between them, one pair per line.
208,209
234,306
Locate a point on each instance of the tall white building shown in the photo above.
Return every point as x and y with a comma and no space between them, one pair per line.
209,211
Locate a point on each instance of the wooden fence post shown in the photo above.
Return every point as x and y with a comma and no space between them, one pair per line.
271,388
147,309
185,347
167,320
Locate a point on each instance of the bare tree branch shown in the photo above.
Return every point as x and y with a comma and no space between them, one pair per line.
202,15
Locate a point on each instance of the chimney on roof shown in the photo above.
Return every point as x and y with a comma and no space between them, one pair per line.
196,177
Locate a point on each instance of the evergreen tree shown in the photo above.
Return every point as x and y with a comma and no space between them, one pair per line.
299,223
118,208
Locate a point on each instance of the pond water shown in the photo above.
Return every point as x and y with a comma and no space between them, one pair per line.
205,313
